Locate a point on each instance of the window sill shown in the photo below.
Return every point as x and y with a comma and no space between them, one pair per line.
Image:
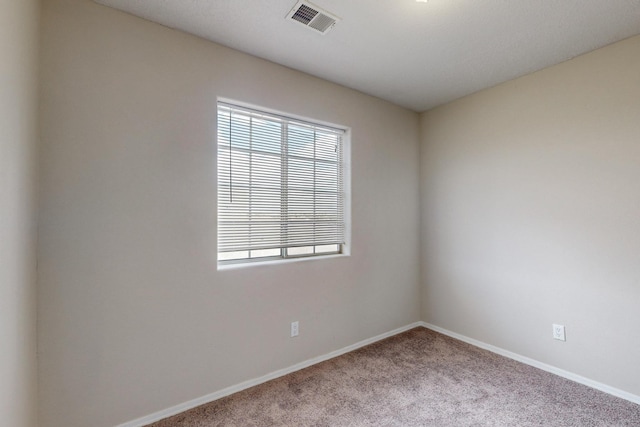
278,261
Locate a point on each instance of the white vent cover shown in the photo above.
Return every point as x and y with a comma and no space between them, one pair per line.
311,16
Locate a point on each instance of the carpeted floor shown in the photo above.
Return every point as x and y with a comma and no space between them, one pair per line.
417,378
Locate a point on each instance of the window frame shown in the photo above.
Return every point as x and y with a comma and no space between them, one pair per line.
345,165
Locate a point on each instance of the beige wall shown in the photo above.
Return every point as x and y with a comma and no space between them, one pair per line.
134,317
18,134
531,215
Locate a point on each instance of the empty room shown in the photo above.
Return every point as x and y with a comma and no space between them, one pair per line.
327,213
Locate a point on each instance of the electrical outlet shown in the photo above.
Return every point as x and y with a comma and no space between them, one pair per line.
558,332
294,329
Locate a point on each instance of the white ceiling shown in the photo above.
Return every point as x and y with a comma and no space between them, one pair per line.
418,55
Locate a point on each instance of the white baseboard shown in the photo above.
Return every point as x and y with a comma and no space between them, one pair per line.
174,410
552,369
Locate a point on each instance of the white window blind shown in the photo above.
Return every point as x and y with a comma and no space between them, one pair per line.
280,186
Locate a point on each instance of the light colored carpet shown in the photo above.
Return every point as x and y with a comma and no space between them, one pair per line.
417,378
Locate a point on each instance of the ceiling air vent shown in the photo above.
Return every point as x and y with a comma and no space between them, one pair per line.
311,16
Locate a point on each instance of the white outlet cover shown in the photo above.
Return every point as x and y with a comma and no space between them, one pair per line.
294,328
558,332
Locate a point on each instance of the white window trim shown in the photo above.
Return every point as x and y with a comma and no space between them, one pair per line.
346,148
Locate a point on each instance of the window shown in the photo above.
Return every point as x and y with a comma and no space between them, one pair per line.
280,186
